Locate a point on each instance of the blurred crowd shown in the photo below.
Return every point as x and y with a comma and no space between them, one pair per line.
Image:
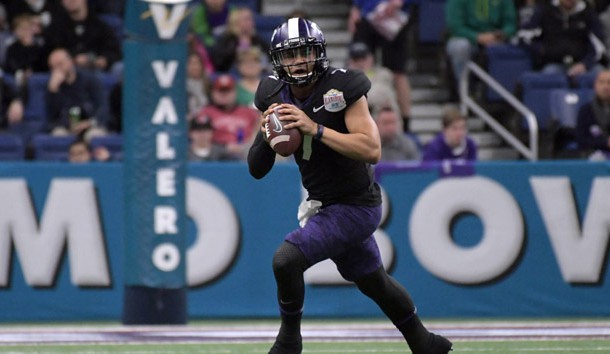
71,49
565,40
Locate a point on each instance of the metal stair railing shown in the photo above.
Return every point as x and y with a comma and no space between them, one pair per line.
468,102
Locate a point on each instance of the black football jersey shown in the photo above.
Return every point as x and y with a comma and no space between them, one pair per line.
327,175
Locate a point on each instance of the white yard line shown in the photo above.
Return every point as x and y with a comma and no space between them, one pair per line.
325,331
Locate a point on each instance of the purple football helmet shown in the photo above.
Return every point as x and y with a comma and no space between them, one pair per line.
298,37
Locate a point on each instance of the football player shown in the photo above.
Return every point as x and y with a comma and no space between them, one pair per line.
343,209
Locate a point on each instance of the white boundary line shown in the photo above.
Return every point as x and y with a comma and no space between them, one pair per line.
325,331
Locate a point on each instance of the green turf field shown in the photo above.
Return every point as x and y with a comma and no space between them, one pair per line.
567,336
466,347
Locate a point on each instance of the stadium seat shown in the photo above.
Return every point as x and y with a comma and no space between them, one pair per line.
51,148
431,23
9,79
27,128
537,89
12,147
265,24
35,111
35,108
565,104
585,80
108,81
506,63
112,142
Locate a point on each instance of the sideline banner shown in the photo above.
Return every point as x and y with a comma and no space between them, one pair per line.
510,239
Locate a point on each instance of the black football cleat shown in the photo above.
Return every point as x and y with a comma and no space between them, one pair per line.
287,346
437,345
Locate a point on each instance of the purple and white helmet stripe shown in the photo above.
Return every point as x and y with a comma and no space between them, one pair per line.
293,34
293,28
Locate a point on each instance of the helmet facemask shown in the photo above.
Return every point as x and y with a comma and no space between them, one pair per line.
298,52
299,65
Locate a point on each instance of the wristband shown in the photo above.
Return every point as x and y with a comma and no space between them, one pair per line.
320,132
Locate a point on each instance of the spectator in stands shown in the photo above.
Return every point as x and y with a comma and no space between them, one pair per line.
475,25
525,10
564,36
240,34
250,70
593,122
45,12
208,21
195,46
395,145
201,146
27,54
75,99
382,92
196,85
92,43
80,152
368,22
11,106
234,125
603,10
11,97
6,35
453,142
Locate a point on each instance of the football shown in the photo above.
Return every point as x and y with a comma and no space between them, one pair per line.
283,141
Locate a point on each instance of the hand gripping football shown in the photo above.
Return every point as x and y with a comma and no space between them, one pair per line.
283,141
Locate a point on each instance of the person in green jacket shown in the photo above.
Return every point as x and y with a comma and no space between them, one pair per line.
208,20
474,25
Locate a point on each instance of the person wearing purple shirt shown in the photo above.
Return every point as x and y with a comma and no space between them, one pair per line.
453,143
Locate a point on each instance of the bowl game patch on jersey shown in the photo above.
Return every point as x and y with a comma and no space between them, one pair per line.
334,100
